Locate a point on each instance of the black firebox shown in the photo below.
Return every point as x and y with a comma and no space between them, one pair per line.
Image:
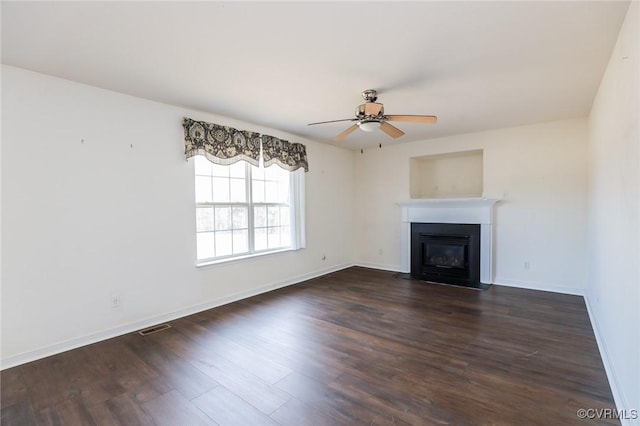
446,253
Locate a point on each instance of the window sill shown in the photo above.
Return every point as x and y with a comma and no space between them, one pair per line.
241,258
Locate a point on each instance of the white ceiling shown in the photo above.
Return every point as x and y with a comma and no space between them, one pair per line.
476,65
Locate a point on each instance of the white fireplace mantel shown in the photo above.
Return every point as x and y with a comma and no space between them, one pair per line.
450,210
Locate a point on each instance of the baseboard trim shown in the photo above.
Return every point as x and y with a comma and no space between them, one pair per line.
618,395
390,268
131,327
534,285
530,285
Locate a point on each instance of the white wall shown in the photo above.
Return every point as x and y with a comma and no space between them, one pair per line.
613,291
97,198
539,170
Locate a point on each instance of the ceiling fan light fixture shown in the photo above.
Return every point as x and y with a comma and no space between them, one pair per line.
369,126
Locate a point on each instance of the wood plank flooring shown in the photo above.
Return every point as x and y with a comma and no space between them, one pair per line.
357,347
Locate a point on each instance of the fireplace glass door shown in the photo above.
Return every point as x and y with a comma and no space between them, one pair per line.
446,253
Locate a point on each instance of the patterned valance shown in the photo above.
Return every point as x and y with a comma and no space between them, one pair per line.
220,144
226,145
289,156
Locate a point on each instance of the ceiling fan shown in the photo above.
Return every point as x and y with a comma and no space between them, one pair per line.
370,117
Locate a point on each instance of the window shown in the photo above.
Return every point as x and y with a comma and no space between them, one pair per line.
243,210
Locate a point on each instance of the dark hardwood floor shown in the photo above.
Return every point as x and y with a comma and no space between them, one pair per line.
355,347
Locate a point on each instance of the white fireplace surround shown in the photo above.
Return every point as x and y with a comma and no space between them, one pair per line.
450,210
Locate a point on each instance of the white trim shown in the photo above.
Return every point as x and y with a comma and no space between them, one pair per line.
466,203
535,285
617,390
232,259
390,268
530,285
66,345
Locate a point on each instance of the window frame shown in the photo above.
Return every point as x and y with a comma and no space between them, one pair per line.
296,215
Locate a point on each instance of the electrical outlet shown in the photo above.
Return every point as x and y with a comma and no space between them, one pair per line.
115,300
527,265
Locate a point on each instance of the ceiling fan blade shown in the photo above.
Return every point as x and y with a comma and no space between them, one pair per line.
346,132
413,118
392,131
332,121
372,108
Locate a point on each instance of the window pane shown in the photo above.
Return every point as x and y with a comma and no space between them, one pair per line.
204,219
220,190
258,191
202,165
238,191
218,170
271,191
273,172
223,218
260,239
240,241
237,170
273,237
283,191
205,245
224,222
273,216
257,173
239,215
260,216
285,236
284,216
203,189
223,243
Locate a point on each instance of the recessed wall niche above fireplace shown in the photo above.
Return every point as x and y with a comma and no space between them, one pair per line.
450,175
448,250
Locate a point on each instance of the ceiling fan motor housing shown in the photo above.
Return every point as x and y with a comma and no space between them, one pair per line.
369,111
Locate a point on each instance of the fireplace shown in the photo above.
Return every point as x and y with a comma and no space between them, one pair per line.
446,253
455,211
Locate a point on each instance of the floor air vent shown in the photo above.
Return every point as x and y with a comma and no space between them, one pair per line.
153,329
